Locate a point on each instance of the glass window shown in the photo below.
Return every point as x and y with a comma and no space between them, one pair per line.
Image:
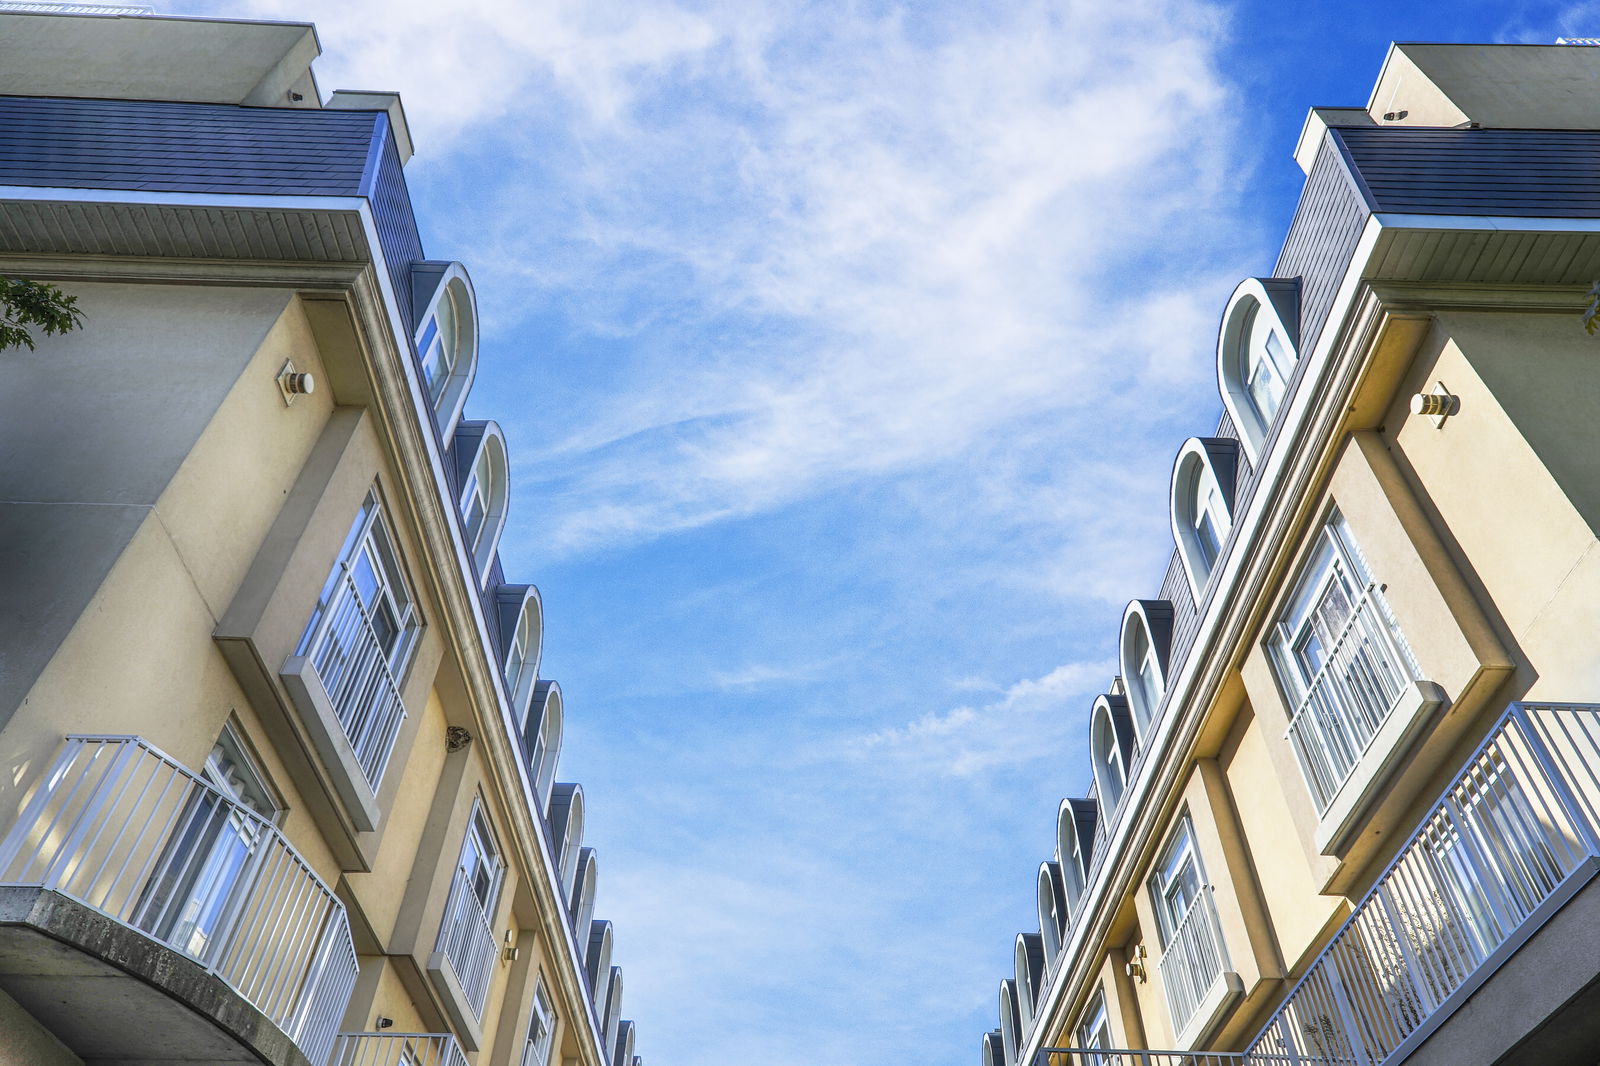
541,1030
520,665
360,637
1145,683
1267,364
199,877
439,346
475,501
1176,884
480,863
1094,1033
1340,659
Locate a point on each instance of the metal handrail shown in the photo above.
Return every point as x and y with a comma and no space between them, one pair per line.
467,940
1515,827
396,1049
1193,959
354,668
1350,697
1077,1056
130,832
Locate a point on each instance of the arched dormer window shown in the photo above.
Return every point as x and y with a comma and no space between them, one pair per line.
480,451
597,957
623,1054
1072,853
1146,642
1257,349
566,832
446,338
993,1050
611,1013
1030,977
581,907
520,613
1111,750
541,739
1052,912
1202,505
1010,1021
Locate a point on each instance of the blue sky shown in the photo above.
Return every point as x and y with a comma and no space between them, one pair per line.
843,350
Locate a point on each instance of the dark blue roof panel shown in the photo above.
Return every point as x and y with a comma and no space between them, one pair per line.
1506,173
155,146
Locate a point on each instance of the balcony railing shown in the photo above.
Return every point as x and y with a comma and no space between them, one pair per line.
1193,958
396,1049
353,664
1352,694
466,939
1519,827
127,831
1073,1056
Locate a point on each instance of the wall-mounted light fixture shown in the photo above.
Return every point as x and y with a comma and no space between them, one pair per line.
294,383
1438,405
1135,966
510,952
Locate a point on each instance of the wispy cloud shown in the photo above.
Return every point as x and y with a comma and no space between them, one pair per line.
845,241
766,675
1033,719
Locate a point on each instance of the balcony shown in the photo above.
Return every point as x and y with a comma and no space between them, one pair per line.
463,959
396,1049
1498,867
125,865
346,689
1362,710
1510,841
1194,970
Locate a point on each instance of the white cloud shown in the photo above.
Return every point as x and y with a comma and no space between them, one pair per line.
766,675
854,241
1033,719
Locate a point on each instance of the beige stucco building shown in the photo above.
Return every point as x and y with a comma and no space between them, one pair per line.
277,763
1345,802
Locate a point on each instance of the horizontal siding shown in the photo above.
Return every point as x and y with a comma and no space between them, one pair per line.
1510,173
1322,238
154,146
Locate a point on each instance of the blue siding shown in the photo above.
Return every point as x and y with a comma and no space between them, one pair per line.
392,215
1510,173
167,147
1322,238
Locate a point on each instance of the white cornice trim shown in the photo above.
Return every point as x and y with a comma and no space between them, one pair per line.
1161,769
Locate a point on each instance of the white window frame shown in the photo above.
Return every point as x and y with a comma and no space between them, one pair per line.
1245,347
1178,856
1094,1030
541,1046
1198,502
367,586
1342,675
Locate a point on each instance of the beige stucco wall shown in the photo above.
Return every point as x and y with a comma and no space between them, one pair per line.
1512,478
24,1042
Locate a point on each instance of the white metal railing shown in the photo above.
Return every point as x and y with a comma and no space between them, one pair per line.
354,667
1366,669
466,939
1074,1056
1519,826
396,1049
1193,958
122,828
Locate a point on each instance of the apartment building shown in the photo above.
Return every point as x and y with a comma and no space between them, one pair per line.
278,765
1344,800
